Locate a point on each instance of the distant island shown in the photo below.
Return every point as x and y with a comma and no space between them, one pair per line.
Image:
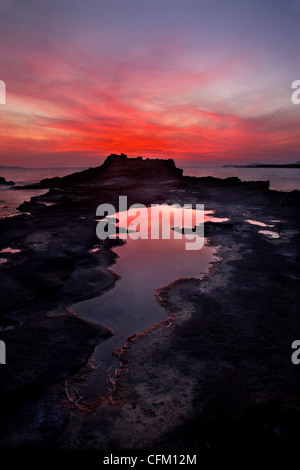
265,165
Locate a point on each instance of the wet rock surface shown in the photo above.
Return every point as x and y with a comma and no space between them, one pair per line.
216,374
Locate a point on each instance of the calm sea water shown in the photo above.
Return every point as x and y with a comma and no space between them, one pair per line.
10,198
283,179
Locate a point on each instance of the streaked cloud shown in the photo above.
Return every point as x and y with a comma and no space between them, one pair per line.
205,81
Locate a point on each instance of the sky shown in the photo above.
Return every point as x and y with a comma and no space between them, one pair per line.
206,82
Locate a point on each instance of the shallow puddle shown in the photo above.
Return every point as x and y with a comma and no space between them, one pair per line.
144,264
7,251
269,233
48,204
260,224
10,250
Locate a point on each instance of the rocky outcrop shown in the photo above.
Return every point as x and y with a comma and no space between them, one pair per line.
3,181
114,166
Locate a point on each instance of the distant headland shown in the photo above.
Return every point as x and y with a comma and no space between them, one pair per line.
265,165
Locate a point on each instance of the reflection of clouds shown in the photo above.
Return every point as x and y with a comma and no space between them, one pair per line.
155,222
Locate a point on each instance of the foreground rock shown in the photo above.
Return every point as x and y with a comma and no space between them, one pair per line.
217,374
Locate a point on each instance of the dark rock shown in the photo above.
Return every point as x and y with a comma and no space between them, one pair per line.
3,181
29,206
291,199
115,165
40,353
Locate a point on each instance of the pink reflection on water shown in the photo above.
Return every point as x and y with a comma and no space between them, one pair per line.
145,264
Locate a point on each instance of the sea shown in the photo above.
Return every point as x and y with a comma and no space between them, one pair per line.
11,198
281,179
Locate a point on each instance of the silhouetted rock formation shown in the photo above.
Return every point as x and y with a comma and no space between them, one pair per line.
3,181
147,168
116,165
233,181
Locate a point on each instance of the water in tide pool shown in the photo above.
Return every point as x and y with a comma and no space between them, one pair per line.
281,179
11,198
131,306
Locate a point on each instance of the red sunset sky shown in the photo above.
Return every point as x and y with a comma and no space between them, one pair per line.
204,82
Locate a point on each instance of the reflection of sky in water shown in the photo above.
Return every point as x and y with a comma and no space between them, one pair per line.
260,224
269,233
144,264
156,221
10,250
